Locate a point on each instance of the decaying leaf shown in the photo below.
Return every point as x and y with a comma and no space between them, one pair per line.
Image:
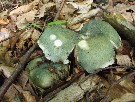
26,18
81,17
125,48
28,97
82,7
66,12
126,10
35,35
57,43
128,97
32,34
3,18
27,13
43,9
123,60
10,94
128,84
25,8
23,79
4,33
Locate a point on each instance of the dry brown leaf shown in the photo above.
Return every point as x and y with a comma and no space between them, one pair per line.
66,12
27,13
45,1
125,48
3,18
128,84
81,17
23,79
3,22
123,60
115,92
35,35
125,10
82,7
28,97
10,94
76,27
24,14
25,8
26,18
23,38
4,33
43,9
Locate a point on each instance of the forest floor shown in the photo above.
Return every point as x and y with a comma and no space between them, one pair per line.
22,25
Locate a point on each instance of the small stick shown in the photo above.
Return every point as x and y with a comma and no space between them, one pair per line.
17,71
58,13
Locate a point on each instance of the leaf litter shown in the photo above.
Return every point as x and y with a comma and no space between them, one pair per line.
119,76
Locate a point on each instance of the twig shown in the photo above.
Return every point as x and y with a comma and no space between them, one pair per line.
115,83
52,94
18,70
58,13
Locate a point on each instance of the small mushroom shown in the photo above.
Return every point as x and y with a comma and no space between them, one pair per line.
47,74
42,77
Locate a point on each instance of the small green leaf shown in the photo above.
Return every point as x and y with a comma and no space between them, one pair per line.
36,26
24,26
29,25
57,23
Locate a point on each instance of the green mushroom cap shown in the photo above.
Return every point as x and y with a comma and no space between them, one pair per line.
95,53
42,77
57,43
